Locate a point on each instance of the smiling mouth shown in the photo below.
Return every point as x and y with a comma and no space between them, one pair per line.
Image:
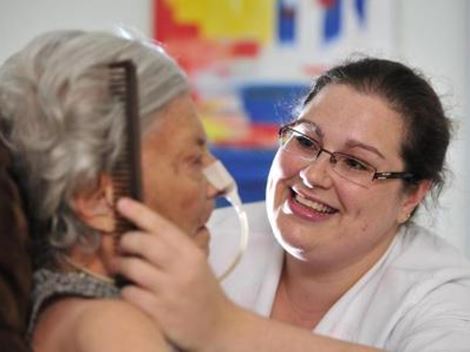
313,205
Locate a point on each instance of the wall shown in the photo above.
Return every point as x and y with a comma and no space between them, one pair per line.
20,20
431,34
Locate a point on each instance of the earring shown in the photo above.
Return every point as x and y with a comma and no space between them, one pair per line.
405,218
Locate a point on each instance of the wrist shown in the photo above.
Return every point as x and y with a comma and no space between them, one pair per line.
227,329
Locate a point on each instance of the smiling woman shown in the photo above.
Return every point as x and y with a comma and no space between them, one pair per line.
351,170
337,263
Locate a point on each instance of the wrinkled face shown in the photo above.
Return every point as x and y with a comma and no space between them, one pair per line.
320,216
174,154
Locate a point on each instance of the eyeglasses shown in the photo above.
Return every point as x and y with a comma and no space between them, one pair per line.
354,170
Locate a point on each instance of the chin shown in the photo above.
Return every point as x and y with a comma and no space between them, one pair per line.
201,238
293,236
294,250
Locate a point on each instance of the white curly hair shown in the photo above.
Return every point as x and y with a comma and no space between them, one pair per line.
62,125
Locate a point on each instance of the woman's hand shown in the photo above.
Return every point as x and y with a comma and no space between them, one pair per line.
173,282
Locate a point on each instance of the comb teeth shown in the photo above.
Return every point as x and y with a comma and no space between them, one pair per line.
126,172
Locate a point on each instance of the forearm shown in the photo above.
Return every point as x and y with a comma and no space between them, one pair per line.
245,331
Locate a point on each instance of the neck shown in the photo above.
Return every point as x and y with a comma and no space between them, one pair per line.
82,269
308,290
95,264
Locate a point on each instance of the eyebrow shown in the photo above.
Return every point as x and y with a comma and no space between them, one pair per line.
317,129
352,143
356,144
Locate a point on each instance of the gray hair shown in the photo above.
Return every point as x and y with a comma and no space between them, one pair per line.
62,125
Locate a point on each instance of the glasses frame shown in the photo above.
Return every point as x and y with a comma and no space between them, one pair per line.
378,175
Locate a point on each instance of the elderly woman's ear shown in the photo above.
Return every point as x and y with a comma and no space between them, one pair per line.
95,206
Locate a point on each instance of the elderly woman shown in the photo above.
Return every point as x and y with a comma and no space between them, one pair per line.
66,134
337,264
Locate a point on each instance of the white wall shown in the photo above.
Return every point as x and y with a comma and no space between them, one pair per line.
431,34
20,20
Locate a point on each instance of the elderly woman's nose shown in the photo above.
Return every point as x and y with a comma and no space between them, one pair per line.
211,190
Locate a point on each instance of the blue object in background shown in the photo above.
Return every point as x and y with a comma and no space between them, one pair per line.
333,18
286,21
249,168
361,11
266,105
332,21
272,103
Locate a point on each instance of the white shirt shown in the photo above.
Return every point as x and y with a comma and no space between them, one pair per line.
415,298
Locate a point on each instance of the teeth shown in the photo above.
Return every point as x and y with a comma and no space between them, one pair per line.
321,208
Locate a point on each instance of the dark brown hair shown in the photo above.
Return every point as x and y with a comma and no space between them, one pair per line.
428,129
15,262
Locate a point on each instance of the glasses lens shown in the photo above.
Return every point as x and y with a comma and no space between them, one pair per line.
304,147
298,144
353,169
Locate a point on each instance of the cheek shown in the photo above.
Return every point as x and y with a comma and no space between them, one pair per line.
282,167
277,173
376,210
190,201
287,166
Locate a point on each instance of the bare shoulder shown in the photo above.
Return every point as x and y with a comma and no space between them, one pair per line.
118,326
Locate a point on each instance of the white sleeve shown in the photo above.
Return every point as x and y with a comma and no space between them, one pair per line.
440,321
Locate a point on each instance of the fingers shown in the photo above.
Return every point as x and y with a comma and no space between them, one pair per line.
145,218
148,246
153,223
139,271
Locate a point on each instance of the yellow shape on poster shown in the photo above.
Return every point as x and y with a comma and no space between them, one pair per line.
228,19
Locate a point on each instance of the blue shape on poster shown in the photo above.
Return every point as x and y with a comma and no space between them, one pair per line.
361,10
332,21
286,21
249,168
271,102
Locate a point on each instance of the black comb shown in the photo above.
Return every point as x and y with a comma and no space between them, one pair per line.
126,174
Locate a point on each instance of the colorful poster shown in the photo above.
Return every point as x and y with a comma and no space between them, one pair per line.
250,62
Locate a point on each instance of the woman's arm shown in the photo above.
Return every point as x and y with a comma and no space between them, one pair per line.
176,287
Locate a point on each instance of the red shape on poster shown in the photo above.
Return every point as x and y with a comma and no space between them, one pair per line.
246,48
166,28
327,3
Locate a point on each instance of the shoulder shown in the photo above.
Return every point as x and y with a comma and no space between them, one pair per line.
424,264
116,325
431,287
422,250
436,313
77,324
